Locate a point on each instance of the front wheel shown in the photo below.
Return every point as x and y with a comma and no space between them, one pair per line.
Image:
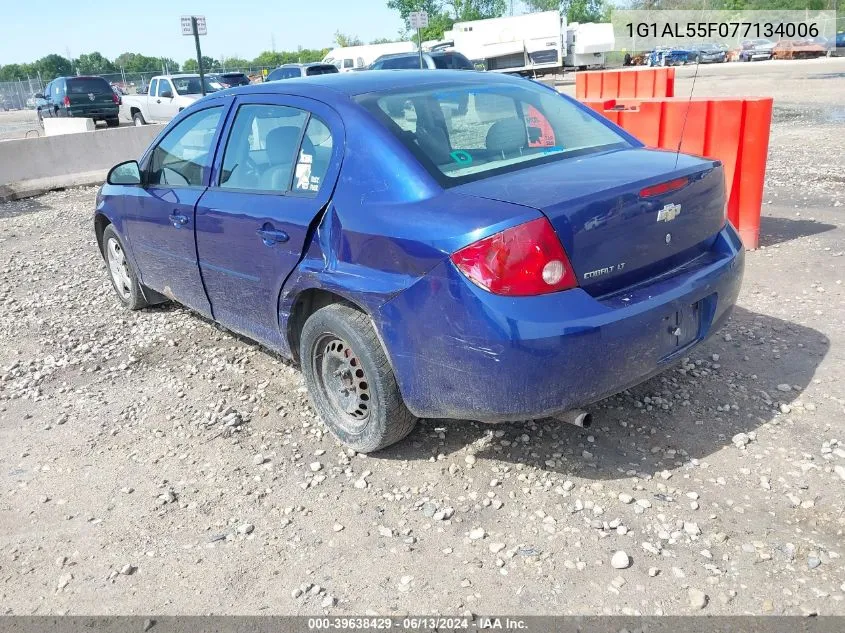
123,278
350,380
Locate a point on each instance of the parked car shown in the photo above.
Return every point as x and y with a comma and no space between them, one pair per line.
87,97
756,50
711,53
435,60
291,71
166,96
521,261
839,51
232,80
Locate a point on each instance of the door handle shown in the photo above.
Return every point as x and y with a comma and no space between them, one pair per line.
158,100
178,220
272,236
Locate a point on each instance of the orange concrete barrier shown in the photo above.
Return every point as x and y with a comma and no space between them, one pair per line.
625,84
733,131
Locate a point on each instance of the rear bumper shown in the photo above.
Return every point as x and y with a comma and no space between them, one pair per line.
460,352
98,112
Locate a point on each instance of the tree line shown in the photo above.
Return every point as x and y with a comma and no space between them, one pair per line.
51,66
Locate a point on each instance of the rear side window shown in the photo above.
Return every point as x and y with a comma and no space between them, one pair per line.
314,156
262,148
347,63
153,88
85,85
465,132
326,69
407,62
284,73
183,155
452,61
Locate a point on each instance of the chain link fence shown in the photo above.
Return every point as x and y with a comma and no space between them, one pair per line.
18,95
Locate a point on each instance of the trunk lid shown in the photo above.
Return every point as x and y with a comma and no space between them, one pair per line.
612,235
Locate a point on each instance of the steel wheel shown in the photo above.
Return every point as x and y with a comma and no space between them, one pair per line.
119,268
342,378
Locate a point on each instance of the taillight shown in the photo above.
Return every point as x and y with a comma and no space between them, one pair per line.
115,98
523,260
66,101
664,187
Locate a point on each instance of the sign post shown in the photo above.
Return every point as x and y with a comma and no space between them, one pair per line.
419,20
195,25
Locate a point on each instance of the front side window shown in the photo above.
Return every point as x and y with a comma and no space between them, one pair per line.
182,157
262,148
465,132
164,86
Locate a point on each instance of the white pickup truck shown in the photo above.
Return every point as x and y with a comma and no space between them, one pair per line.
166,97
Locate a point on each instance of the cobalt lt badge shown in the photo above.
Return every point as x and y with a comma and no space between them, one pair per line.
669,213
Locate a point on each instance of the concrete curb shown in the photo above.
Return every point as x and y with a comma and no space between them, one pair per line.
38,186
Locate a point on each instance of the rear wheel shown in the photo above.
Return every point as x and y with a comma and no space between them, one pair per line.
113,122
138,119
350,379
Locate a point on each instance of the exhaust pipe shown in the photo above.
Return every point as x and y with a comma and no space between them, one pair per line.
578,417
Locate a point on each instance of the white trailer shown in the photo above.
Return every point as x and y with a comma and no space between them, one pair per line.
587,44
358,57
527,44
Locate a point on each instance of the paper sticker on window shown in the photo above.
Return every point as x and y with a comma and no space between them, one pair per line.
543,135
303,172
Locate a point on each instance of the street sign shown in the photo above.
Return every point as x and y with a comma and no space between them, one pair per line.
187,29
418,20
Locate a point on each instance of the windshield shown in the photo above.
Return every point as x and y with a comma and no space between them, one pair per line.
191,85
464,132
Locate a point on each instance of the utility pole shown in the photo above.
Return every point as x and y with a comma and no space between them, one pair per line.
199,53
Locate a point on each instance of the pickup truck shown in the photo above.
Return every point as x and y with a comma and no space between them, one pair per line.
166,97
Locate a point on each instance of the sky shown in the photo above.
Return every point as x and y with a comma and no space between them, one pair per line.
242,28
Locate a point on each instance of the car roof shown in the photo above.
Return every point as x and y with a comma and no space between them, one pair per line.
351,84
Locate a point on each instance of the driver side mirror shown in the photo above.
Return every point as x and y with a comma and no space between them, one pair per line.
127,173
166,95
38,95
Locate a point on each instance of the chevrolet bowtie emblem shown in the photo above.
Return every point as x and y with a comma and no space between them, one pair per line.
669,213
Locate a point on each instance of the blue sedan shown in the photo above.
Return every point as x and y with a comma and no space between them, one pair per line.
439,245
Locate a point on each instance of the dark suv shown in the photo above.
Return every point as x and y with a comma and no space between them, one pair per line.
87,97
291,71
435,60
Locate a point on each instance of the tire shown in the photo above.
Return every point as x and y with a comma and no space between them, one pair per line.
113,122
340,351
138,119
123,278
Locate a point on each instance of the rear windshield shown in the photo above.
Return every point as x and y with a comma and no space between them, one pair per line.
84,85
326,69
453,61
192,86
465,132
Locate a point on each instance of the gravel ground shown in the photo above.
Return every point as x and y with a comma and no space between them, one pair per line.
151,462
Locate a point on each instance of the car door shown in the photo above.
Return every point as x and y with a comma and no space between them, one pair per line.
160,220
277,172
161,106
